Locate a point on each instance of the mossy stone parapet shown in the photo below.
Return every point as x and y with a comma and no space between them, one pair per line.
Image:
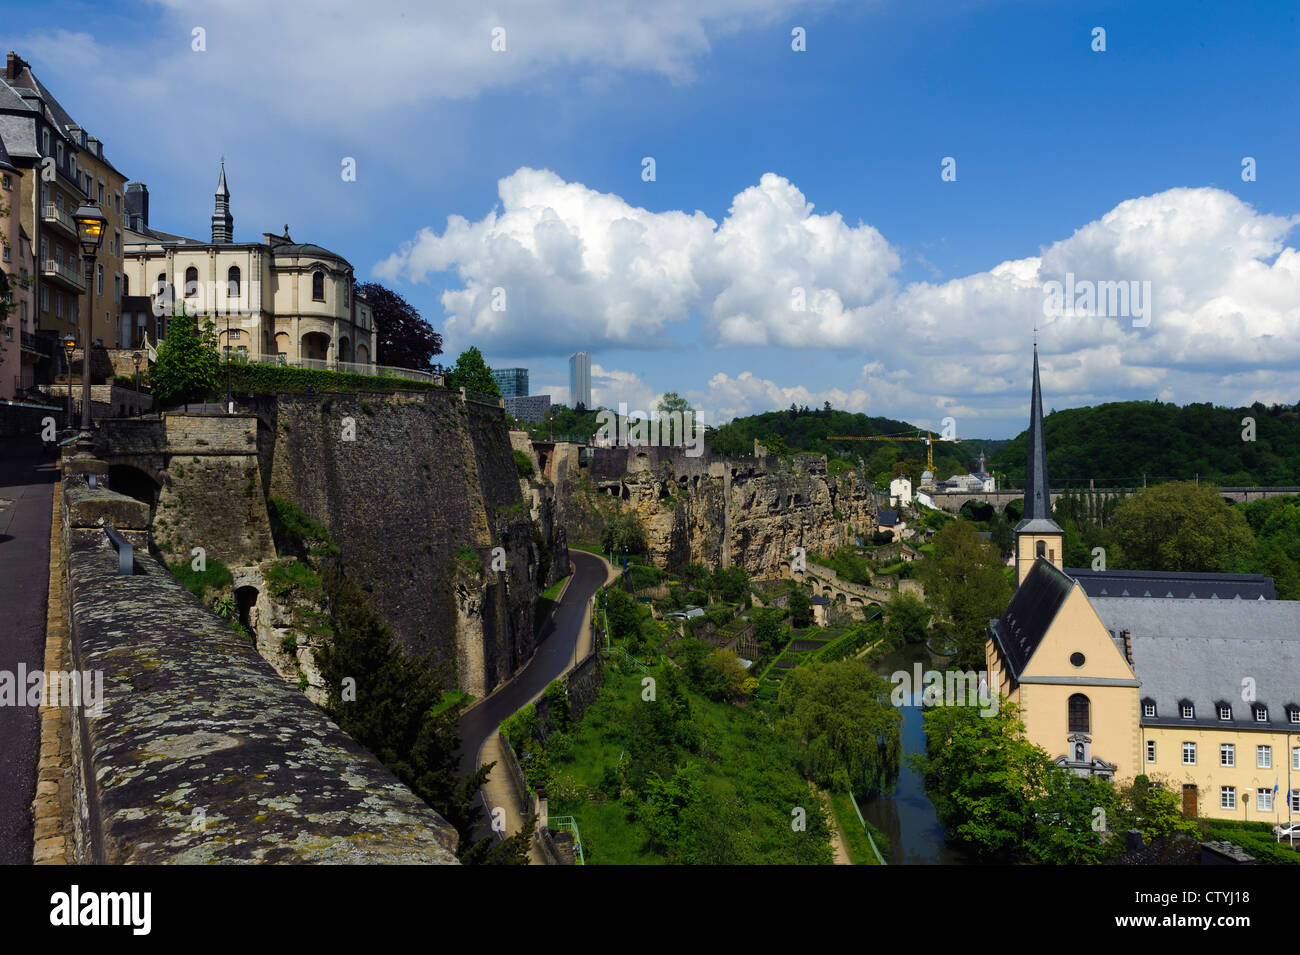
203,754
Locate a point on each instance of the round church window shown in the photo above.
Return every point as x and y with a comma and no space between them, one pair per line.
1077,659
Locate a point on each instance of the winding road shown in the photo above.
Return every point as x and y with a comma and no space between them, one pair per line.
556,653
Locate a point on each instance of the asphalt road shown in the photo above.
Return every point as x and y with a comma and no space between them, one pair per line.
26,490
554,655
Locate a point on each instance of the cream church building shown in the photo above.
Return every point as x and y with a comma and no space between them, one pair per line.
1192,679
283,301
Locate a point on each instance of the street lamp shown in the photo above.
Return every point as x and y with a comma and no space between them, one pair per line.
139,405
90,233
69,343
229,402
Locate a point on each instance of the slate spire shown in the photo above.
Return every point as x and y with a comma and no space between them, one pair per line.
223,224
1038,498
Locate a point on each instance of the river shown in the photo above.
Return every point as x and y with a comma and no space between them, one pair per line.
906,816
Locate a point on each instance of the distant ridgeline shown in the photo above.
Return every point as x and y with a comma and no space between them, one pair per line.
1116,444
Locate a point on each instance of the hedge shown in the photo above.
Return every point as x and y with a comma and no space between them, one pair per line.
272,379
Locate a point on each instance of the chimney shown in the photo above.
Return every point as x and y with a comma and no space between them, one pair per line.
1128,646
14,64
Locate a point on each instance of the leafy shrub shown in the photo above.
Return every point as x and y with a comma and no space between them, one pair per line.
523,464
216,575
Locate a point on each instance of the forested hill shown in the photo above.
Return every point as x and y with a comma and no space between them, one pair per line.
804,430
1117,443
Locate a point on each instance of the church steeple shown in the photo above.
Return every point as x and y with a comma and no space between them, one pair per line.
223,224
1037,535
1038,499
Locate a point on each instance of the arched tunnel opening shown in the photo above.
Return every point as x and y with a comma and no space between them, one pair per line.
245,600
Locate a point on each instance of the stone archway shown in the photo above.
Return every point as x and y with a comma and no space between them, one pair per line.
245,602
134,482
314,346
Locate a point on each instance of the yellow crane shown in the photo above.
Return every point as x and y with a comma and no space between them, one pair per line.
927,439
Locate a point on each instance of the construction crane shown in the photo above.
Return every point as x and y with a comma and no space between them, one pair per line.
927,439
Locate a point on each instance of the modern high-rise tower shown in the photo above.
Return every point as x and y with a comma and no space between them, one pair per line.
580,380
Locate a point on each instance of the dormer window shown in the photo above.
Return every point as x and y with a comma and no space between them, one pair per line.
1261,714
1225,711
1188,710
1149,708
1293,714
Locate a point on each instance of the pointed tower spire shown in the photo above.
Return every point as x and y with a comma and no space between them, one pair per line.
223,224
1038,498
1037,535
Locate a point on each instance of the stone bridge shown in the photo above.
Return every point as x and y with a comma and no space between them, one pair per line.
952,501
827,583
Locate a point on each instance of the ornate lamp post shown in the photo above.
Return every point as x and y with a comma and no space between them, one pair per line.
69,343
139,405
90,233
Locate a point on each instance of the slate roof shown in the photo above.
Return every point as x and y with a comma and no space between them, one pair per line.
887,518
1203,650
1154,583
1038,497
1030,613
304,248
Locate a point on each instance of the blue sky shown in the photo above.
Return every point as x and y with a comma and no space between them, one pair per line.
1122,165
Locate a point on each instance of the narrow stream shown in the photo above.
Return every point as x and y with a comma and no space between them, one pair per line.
906,816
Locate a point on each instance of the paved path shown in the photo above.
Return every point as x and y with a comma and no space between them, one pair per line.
568,641
26,492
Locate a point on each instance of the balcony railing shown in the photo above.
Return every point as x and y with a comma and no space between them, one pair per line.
56,216
52,269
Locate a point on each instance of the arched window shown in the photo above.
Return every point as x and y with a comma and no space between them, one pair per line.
1078,752
318,286
232,282
1041,549
1080,715
126,285
191,282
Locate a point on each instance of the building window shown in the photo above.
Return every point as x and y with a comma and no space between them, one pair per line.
1079,715
191,282
1189,711
1227,797
117,244
232,282
99,280
58,153
58,304
6,253
1151,751
1293,714
45,299
1261,714
1227,754
45,142
6,182
1225,711
1189,754
100,195
117,202
1264,800
117,288
1295,800
318,286
1264,757
126,285
1295,757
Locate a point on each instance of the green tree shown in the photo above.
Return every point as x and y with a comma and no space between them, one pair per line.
623,533
851,731
732,584
800,607
472,373
907,620
188,367
621,612
1179,526
1152,810
964,582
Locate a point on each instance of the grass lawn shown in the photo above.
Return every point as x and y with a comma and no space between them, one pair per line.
855,837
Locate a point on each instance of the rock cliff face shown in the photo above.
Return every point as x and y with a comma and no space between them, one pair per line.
422,495
721,512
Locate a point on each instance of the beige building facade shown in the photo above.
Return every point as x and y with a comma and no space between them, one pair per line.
274,300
